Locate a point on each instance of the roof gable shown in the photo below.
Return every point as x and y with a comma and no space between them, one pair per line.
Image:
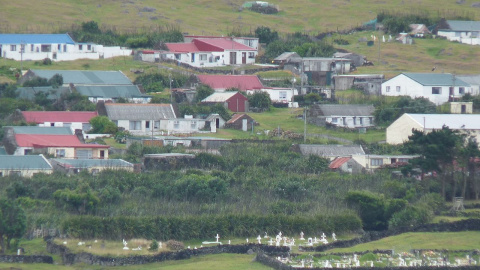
29,162
223,96
221,82
36,39
336,163
134,112
59,116
222,44
89,77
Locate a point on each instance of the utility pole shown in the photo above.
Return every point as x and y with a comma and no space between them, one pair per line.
170,81
305,125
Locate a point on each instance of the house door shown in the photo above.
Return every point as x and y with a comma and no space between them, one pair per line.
193,58
217,123
244,57
147,125
464,108
451,91
233,58
102,154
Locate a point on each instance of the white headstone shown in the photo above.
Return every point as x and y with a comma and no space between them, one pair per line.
229,242
334,237
259,238
301,236
217,237
247,240
266,236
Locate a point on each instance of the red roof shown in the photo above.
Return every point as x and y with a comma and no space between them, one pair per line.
35,140
242,82
61,116
208,45
338,162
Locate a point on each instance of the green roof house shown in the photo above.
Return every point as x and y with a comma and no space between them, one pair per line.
25,166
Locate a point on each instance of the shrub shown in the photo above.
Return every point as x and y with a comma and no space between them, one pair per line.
175,245
153,246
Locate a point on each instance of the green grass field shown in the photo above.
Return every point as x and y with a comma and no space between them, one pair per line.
467,240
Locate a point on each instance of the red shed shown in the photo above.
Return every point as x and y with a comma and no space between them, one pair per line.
234,101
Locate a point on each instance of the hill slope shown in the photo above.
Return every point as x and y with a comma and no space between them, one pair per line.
210,16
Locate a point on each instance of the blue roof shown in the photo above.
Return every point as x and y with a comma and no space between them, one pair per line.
36,39
436,79
86,77
24,163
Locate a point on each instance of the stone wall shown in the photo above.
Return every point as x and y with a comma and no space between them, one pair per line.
26,259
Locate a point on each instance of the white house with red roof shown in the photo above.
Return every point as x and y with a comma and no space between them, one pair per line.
213,51
74,120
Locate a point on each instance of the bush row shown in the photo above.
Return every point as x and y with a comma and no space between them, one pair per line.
205,227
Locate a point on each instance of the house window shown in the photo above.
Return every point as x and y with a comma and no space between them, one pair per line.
334,120
22,48
80,47
46,48
251,55
203,57
194,124
361,121
89,47
14,173
13,48
376,162
64,48
282,95
178,56
32,48
27,151
135,125
436,90
1,174
398,88
461,90
60,153
176,124
387,89
59,47
156,125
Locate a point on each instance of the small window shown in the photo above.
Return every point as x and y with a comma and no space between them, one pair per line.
387,89
282,95
398,88
361,121
59,47
135,125
32,48
176,124
15,173
1,174
461,90
64,48
13,48
436,90
178,56
60,153
376,162
80,47
251,55
203,57
157,125
89,47
334,120
194,124
46,48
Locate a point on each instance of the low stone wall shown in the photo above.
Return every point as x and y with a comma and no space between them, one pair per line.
26,259
91,259
271,262
458,226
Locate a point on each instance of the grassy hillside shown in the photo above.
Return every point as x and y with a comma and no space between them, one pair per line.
209,16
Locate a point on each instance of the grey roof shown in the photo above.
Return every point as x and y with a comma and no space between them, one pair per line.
436,79
110,91
42,130
24,162
329,150
287,55
219,96
53,93
86,76
470,79
88,163
452,121
346,110
464,25
136,112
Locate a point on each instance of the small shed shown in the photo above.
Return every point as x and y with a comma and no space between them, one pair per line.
234,101
241,121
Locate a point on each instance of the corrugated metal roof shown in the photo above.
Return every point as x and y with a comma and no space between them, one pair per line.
346,110
328,150
235,117
29,162
36,39
53,93
453,121
436,79
464,25
182,47
3,151
88,163
58,116
136,112
42,130
110,91
336,163
223,43
87,77
35,140
242,82
287,55
470,79
219,97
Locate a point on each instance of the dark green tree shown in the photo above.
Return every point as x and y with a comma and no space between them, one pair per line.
56,81
13,222
260,100
8,90
203,91
371,208
265,34
101,124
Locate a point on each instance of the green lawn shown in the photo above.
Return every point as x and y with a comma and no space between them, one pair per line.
218,261
467,240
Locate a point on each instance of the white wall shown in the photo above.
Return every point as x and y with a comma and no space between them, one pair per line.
360,121
73,126
462,37
223,58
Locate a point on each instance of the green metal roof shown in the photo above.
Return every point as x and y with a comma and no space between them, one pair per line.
24,162
86,76
436,79
88,163
464,25
42,130
3,151
53,93
110,91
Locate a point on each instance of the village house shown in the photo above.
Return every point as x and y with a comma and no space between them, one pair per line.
473,80
373,162
404,38
342,115
328,151
346,165
419,30
113,93
369,83
467,32
212,51
73,120
58,142
51,93
188,142
220,83
278,95
399,131
241,121
24,166
234,101
92,166
436,87
80,77
57,47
